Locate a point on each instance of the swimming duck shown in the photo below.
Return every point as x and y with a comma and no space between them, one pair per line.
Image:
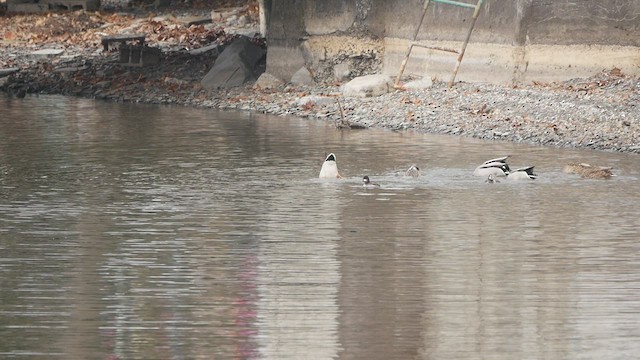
329,168
413,171
497,167
525,173
366,182
587,171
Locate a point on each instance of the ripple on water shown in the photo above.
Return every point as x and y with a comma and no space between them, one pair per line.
127,234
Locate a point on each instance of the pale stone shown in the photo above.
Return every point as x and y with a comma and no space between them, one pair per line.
419,84
205,49
174,81
267,81
302,77
232,20
216,16
341,72
315,100
368,85
47,52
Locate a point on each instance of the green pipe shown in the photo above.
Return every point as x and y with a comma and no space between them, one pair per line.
456,3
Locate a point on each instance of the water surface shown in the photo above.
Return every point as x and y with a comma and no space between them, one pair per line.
147,232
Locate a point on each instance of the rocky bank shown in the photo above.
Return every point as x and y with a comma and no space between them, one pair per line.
601,112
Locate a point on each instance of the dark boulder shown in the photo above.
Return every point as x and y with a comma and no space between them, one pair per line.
239,63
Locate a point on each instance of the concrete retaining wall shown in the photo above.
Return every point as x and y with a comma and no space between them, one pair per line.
514,41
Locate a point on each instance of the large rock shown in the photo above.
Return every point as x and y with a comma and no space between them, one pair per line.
236,65
368,85
341,72
302,77
267,81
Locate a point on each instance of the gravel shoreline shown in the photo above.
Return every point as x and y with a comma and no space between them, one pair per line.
602,112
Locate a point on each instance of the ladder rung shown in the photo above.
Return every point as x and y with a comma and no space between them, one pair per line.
460,52
436,48
456,3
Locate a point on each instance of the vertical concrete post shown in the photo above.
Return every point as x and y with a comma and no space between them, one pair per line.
286,28
522,10
520,59
264,8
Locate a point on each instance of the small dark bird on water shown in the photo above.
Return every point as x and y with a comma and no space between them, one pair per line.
366,182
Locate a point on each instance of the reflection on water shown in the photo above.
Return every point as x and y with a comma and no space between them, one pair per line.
142,232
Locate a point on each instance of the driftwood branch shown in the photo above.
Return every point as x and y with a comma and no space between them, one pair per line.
343,123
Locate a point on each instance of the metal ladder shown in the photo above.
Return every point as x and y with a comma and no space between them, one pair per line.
460,52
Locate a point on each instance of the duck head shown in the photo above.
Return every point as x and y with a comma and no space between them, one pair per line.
492,179
366,182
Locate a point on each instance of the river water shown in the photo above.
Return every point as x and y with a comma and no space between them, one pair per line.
147,232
